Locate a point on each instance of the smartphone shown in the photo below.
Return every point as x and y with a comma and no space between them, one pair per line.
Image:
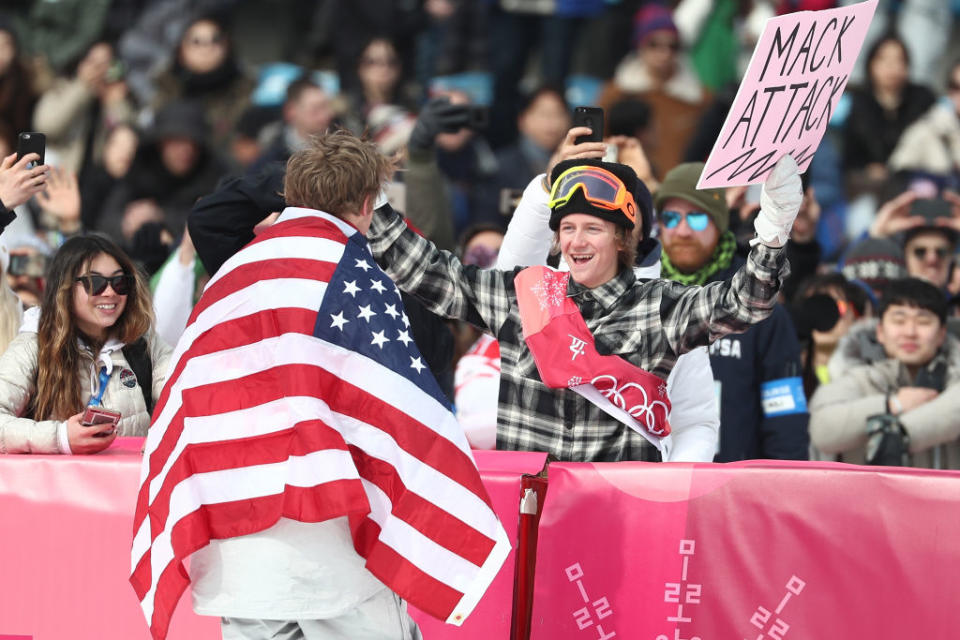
591,117
98,416
31,142
929,208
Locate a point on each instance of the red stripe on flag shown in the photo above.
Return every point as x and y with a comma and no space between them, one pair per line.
247,274
243,517
342,397
312,381
228,335
422,590
303,438
301,228
433,522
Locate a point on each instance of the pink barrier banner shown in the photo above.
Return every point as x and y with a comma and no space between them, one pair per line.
752,551
66,524
65,534
502,473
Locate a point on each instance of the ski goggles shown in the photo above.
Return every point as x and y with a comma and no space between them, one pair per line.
696,220
600,188
95,284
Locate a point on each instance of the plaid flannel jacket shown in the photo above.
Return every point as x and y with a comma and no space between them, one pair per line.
649,323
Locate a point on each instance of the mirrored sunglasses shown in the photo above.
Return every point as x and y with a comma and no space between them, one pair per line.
95,284
696,220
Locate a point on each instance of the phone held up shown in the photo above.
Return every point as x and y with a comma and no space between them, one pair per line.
592,118
31,142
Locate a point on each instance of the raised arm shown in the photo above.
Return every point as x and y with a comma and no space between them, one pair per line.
437,278
528,238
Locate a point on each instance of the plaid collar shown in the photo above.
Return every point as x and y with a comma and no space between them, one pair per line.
606,295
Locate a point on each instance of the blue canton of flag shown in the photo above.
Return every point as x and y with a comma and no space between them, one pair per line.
362,311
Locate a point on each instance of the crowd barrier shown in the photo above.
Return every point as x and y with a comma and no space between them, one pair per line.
752,551
66,524
747,551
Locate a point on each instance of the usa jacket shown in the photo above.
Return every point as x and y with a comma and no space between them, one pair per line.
763,410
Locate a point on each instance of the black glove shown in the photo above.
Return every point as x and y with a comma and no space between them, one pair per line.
438,116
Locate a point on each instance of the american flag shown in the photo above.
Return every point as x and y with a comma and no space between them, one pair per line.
297,391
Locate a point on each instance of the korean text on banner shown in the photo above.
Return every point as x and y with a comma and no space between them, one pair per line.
796,76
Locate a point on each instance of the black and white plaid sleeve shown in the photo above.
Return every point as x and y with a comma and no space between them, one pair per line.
437,278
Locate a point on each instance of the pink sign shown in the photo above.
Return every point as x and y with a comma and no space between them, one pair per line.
747,551
796,76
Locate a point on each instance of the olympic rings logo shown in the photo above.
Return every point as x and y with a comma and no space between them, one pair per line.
645,410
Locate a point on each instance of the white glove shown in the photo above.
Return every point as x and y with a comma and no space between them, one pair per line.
779,204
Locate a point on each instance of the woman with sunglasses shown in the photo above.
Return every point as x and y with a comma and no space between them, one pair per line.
90,344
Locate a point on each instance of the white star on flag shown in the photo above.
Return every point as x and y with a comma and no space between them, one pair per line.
379,338
351,288
377,286
366,312
392,311
405,338
416,364
338,320
362,264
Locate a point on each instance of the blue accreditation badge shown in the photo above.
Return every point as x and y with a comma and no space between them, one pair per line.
783,397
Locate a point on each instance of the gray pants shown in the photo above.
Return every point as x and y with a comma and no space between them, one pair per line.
382,617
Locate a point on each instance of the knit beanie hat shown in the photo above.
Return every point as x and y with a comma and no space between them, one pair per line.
875,262
652,17
579,204
681,182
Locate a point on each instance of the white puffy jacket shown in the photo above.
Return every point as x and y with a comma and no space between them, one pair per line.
18,384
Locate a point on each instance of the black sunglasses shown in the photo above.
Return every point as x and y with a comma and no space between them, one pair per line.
95,284
921,252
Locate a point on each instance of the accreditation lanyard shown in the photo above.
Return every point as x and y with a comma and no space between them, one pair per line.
96,400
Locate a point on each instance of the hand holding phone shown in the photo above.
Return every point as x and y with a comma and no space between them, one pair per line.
21,177
92,438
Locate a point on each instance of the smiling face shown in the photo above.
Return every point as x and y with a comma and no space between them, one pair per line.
910,334
589,245
95,314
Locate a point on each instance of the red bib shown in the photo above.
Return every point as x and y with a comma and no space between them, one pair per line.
566,356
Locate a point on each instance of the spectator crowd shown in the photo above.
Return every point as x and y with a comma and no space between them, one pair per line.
155,111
